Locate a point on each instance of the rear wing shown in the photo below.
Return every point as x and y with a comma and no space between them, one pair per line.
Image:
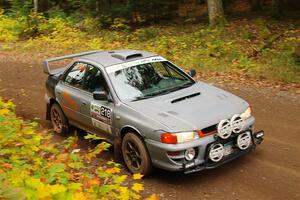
46,62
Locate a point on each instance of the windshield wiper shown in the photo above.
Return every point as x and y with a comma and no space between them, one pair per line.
142,97
151,95
186,85
163,92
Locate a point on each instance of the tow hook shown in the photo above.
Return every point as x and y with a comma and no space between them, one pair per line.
259,136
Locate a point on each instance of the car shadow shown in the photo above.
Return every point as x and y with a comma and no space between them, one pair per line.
205,176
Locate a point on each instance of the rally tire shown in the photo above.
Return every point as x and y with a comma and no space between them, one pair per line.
58,119
135,154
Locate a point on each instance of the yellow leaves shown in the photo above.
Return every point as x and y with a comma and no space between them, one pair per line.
119,179
7,105
124,193
4,111
97,150
137,187
80,196
137,176
153,197
113,170
44,170
55,189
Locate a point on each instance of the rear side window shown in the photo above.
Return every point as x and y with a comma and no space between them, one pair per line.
75,75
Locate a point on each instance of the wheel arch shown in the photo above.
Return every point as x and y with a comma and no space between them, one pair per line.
51,102
127,129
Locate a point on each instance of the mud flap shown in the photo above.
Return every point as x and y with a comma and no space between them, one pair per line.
118,149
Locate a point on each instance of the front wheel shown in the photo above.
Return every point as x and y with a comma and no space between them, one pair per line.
59,120
135,154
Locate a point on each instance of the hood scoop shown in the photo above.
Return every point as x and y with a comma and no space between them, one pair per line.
185,97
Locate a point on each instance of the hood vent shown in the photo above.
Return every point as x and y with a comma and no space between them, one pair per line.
185,97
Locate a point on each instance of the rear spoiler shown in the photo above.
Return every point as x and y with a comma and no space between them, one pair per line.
47,61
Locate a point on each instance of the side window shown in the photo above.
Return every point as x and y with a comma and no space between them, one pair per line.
94,80
75,75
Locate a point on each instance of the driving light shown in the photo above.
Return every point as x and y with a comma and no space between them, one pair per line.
246,114
237,123
224,129
216,152
189,154
244,140
174,138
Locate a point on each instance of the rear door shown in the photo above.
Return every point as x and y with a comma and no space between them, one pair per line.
70,94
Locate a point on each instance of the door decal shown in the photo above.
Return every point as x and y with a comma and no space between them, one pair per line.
101,117
67,97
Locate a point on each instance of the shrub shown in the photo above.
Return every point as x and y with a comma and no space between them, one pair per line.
145,34
10,29
120,24
33,167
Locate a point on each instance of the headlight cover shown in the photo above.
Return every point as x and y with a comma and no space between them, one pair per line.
246,114
175,138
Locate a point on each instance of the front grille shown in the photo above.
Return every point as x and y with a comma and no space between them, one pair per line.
210,130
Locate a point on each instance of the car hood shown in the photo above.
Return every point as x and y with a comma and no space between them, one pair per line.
193,108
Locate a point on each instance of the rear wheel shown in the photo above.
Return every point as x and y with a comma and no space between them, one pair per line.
59,120
135,154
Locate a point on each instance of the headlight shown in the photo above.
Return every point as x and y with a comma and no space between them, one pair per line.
174,138
246,114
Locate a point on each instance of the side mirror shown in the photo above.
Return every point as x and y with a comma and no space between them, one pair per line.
100,95
192,72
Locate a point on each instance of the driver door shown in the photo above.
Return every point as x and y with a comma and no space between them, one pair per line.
98,113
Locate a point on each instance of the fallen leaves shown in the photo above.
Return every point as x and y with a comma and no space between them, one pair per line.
4,111
113,170
153,197
32,166
137,176
137,187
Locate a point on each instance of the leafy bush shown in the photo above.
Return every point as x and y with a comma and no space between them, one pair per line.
120,24
145,34
33,167
10,29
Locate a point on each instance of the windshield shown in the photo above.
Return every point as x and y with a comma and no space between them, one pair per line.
147,80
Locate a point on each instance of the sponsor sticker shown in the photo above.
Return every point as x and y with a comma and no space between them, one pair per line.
118,67
101,117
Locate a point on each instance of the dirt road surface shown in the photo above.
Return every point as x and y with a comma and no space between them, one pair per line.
271,172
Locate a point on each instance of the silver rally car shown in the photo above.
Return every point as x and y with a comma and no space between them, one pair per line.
153,112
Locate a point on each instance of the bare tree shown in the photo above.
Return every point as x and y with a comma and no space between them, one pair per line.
256,5
277,9
215,12
36,5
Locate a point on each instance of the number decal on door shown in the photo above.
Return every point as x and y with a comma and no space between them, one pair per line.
101,113
105,112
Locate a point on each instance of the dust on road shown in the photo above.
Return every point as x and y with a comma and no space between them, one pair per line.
271,172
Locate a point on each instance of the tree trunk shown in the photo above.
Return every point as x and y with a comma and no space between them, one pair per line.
256,5
215,12
35,5
277,10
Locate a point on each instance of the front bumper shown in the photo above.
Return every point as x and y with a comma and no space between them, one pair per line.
201,162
